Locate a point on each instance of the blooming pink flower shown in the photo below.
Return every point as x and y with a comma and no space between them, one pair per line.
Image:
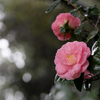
61,19
71,60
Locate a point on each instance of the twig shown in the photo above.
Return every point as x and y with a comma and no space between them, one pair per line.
97,21
71,4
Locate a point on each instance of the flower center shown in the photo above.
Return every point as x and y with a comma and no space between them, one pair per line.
71,59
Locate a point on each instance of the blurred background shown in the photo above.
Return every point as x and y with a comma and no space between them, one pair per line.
28,47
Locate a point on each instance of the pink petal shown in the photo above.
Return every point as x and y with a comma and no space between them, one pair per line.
60,56
84,66
75,22
83,58
61,69
75,71
67,76
88,52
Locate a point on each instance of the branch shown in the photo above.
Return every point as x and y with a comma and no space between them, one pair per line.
97,21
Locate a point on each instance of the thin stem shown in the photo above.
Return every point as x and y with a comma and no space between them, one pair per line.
97,21
83,15
71,4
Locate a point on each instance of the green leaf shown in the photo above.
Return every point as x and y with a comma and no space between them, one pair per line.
54,4
96,57
97,67
59,80
94,48
92,34
94,64
65,28
78,30
79,82
84,38
94,60
74,11
92,10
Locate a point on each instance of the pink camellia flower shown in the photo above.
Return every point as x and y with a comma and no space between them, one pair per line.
61,19
71,60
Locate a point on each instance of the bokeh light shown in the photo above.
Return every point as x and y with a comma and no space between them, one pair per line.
27,77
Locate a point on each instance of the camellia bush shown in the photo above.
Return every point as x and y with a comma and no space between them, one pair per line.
77,65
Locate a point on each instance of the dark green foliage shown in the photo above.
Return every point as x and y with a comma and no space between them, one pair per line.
79,82
94,64
92,34
65,28
94,59
54,4
96,56
78,31
84,35
92,10
80,34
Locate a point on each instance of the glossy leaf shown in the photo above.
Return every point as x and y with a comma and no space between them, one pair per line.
65,28
92,34
59,80
94,63
94,48
94,59
54,4
97,67
79,82
92,10
78,30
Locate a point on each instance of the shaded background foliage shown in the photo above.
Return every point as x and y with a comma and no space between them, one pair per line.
27,67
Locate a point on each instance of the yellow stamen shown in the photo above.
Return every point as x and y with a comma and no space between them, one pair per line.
71,58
